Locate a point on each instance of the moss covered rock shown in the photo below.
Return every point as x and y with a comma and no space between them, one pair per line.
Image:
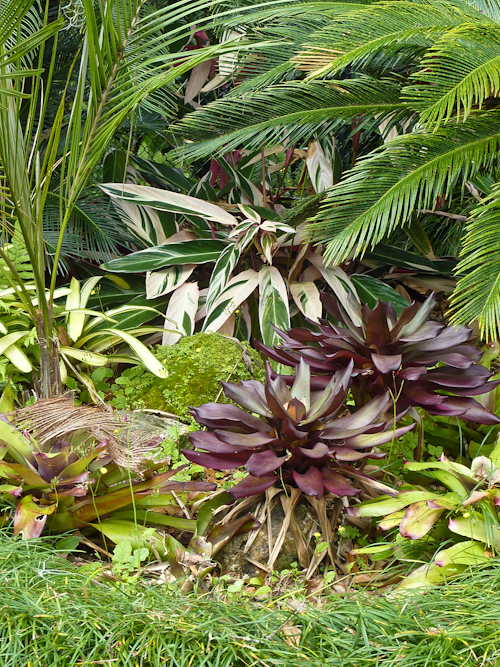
196,366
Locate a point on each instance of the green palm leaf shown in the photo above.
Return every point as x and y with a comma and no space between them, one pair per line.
290,112
477,296
410,172
462,69
357,38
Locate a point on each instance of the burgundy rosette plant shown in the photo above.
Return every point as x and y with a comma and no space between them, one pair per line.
297,437
423,363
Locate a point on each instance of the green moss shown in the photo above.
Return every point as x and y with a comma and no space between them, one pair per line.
196,366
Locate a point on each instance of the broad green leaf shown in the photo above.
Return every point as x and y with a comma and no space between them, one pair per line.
463,553
199,251
418,520
118,530
166,200
221,275
473,526
18,358
181,312
11,339
341,285
370,290
159,283
7,399
20,448
307,300
85,356
143,222
392,505
149,516
236,291
273,304
142,352
429,575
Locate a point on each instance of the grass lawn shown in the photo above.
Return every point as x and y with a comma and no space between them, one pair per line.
52,613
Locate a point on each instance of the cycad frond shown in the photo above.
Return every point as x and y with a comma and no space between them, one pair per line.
293,112
359,36
460,70
489,7
412,171
287,29
477,296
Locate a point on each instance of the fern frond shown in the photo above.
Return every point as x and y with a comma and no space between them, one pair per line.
412,171
477,296
461,70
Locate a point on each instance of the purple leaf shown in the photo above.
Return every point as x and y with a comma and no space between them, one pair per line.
311,482
375,439
210,443
250,486
364,416
244,440
348,454
412,373
317,452
385,363
426,332
336,483
377,330
449,337
249,394
262,463
215,415
406,316
216,461
469,407
420,396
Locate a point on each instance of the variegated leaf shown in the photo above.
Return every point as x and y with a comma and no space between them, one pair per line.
181,313
340,283
221,274
273,304
236,291
159,283
143,221
306,296
166,200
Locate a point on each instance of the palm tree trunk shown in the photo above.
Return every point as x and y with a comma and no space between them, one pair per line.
49,383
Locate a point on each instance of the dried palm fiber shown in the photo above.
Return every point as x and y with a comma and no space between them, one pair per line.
130,439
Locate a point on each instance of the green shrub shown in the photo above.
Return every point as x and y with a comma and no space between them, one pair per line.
196,366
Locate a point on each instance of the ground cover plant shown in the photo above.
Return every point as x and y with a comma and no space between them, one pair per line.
57,613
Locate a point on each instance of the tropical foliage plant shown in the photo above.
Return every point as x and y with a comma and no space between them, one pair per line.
466,508
423,363
124,59
298,438
73,484
250,253
421,76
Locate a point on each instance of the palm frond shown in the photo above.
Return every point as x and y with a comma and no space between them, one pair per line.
357,38
477,296
413,171
489,7
461,70
289,112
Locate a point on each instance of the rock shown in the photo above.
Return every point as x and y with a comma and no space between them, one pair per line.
233,561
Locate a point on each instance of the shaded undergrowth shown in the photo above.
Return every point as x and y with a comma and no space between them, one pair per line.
52,613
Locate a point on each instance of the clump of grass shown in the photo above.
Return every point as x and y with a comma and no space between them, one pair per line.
54,614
